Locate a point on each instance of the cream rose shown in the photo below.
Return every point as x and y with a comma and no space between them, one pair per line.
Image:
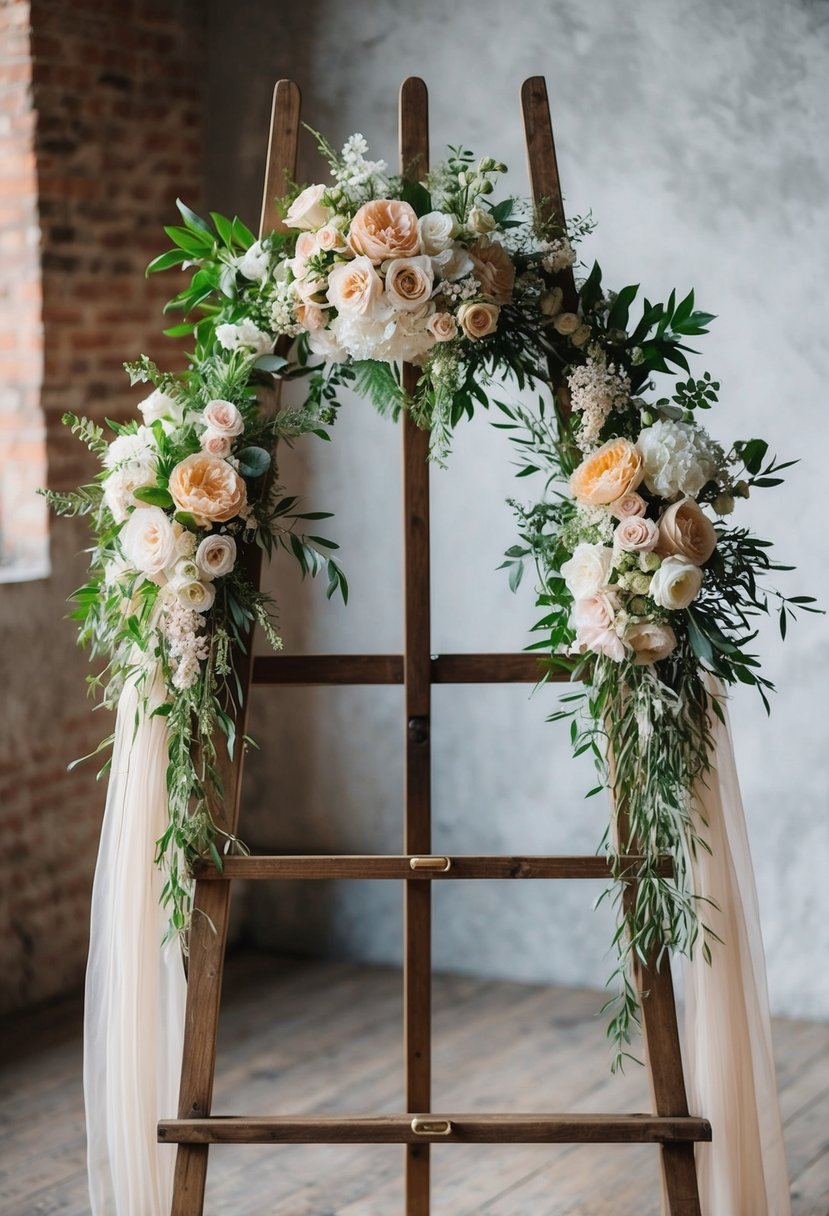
478,318
494,270
208,487
119,486
607,474
436,230
330,239
385,228
215,443
224,418
216,555
551,302
308,210
585,573
628,505
479,221
306,247
636,534
684,531
193,593
650,641
409,283
310,316
566,323
676,583
148,540
356,287
443,326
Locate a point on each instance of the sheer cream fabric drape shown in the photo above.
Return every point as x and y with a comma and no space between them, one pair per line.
135,990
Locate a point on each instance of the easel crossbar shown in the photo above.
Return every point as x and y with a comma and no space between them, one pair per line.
400,866
461,1129
353,669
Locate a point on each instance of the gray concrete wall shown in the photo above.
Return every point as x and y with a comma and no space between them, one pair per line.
697,135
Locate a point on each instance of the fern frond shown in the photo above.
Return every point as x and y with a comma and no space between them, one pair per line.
378,382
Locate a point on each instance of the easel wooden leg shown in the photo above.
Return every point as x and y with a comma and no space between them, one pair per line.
208,938
664,1061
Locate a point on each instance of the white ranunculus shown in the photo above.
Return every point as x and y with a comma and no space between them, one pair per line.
119,486
215,556
193,593
136,448
676,583
224,418
586,571
480,221
436,231
148,541
160,406
244,336
308,210
678,457
254,263
452,263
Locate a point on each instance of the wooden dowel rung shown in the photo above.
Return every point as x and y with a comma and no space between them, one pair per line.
465,1129
354,669
399,866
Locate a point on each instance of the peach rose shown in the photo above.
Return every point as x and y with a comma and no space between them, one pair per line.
310,316
607,474
208,487
443,326
494,270
308,210
684,531
385,228
356,287
650,641
628,505
478,318
566,323
636,534
409,283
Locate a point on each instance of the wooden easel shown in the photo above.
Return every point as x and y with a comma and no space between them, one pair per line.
417,670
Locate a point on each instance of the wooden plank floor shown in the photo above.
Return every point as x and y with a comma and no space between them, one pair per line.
324,1037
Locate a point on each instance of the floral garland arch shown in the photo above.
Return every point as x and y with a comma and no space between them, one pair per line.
646,590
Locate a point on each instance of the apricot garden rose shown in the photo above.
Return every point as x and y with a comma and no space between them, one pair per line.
385,228
684,531
610,472
208,488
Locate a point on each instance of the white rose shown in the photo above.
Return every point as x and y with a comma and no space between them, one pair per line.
480,221
160,406
307,210
215,556
194,594
224,418
244,336
452,263
436,231
253,264
678,458
676,583
586,571
409,283
148,540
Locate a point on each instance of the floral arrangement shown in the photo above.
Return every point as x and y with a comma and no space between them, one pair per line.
645,589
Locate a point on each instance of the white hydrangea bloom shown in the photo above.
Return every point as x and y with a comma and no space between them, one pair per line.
404,337
679,458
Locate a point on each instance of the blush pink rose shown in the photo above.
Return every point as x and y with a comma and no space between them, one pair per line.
636,534
627,505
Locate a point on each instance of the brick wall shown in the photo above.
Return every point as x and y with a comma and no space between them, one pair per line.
117,133
23,521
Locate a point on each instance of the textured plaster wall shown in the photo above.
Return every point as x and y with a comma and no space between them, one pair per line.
697,134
